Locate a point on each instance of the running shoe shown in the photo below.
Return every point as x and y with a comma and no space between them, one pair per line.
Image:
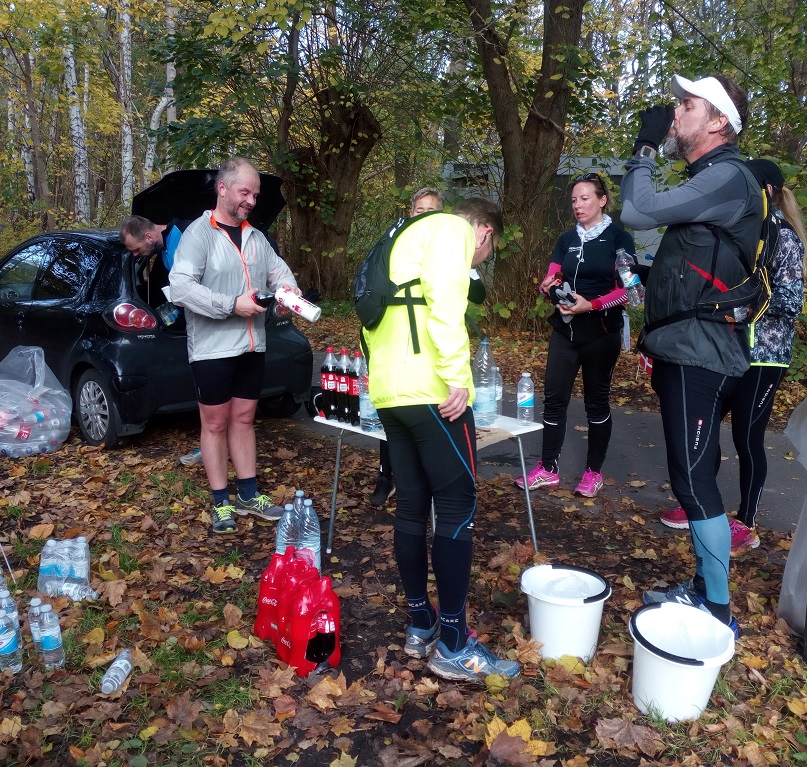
685,594
384,490
223,521
742,537
677,519
590,485
470,664
194,458
261,506
420,642
539,477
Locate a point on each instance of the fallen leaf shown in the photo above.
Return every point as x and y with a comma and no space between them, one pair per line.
232,615
344,760
322,694
236,641
40,532
96,636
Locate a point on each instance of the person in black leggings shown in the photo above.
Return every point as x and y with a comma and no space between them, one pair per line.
751,403
587,334
424,400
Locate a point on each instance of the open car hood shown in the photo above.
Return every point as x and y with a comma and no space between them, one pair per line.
186,194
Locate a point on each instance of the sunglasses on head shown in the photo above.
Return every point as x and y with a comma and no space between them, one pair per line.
588,177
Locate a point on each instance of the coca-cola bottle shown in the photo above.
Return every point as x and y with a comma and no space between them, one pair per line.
343,386
354,389
327,380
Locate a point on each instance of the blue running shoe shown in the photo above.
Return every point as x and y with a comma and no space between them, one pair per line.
685,594
470,664
420,642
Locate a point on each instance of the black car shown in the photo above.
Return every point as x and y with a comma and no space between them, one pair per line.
84,299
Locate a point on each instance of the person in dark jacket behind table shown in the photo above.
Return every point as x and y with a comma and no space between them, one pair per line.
587,333
771,352
697,361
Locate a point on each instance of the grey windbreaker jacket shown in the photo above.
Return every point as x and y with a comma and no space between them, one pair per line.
719,193
209,274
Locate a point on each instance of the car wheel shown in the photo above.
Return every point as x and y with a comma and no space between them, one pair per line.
282,406
95,410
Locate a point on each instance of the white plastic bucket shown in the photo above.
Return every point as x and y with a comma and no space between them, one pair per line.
565,605
677,654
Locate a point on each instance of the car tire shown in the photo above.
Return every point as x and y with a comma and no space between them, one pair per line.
282,406
95,410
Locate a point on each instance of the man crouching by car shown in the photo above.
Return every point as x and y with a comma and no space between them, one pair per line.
221,262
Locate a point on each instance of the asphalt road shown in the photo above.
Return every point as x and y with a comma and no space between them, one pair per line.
637,453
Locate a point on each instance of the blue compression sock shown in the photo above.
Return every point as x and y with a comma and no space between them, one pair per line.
711,539
248,488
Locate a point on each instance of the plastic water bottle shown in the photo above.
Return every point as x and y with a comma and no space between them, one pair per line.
499,390
369,419
525,399
51,633
10,606
10,644
34,612
485,385
633,285
287,531
116,674
310,532
80,560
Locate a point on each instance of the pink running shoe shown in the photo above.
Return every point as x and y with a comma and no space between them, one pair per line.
677,518
590,485
742,537
539,477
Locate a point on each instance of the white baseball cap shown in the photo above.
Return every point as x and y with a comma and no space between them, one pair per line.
708,88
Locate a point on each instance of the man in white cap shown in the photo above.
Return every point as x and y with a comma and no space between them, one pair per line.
713,227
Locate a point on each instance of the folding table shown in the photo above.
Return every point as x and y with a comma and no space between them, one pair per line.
503,428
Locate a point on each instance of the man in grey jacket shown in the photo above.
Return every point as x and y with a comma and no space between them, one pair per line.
713,227
220,263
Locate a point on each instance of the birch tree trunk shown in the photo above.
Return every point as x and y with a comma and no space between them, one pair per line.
127,140
81,185
32,120
167,100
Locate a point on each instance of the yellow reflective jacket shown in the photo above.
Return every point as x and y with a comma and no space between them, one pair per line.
439,250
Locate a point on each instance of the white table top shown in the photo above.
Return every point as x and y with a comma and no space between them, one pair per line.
503,427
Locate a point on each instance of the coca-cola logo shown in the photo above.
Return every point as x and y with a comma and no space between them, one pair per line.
285,642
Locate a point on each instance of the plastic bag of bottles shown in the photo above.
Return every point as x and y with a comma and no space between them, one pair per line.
64,569
34,407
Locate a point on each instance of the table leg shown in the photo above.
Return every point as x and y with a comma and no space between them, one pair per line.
335,488
527,494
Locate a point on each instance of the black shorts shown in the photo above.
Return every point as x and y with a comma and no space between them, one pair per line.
218,381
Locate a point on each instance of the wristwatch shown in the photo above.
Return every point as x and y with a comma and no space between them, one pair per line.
648,152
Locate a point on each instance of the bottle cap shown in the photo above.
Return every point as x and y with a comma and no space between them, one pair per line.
299,493
108,686
35,602
46,607
4,593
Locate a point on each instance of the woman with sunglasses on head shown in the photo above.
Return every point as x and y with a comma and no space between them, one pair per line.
583,283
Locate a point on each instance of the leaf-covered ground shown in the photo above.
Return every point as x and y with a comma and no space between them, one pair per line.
205,691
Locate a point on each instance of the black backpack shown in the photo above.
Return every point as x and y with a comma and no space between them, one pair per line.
374,291
744,303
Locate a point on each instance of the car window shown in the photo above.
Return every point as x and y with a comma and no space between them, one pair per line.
18,274
70,270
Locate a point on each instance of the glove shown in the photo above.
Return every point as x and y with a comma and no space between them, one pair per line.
563,296
656,122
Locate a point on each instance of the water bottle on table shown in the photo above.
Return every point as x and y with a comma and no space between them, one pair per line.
633,285
484,385
369,419
525,399
51,633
